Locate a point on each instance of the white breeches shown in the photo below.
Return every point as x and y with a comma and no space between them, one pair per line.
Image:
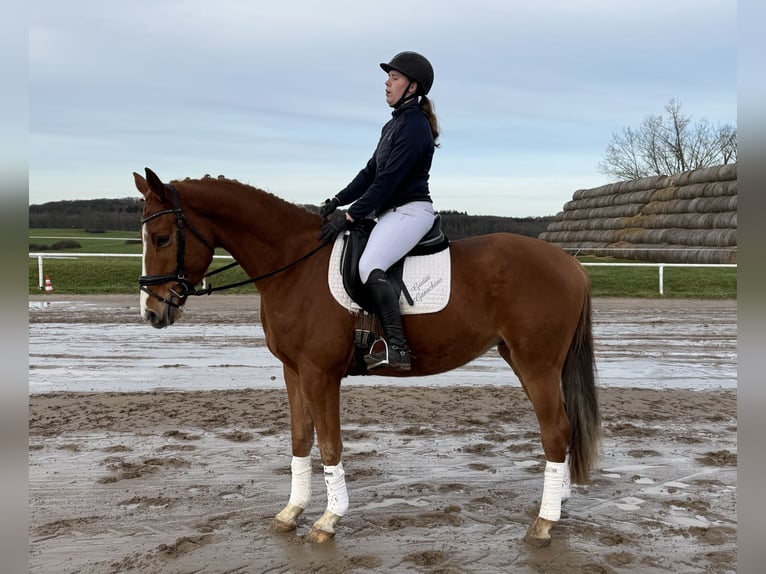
398,230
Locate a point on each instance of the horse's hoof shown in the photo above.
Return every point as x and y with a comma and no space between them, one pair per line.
324,528
532,540
317,536
538,534
287,520
281,526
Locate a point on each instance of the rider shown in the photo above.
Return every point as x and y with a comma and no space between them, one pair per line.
393,187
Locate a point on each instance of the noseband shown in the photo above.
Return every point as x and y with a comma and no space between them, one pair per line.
179,277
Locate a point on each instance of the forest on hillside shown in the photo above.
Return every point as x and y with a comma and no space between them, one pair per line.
88,214
125,214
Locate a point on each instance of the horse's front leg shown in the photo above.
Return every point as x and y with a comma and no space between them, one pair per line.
314,402
302,435
322,393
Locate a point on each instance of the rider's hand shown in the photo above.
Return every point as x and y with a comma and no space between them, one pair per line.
328,207
332,227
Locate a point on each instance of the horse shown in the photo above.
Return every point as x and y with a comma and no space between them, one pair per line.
527,298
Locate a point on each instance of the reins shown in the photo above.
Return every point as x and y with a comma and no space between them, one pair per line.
209,290
179,276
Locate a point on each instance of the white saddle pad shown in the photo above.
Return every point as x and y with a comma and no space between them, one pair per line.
427,278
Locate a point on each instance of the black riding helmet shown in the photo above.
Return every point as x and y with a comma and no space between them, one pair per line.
415,67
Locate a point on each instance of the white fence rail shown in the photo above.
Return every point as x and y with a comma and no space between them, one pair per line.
660,266
41,256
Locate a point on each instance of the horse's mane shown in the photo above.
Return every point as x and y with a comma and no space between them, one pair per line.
235,184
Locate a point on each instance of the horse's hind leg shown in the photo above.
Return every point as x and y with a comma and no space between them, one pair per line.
302,435
554,429
543,390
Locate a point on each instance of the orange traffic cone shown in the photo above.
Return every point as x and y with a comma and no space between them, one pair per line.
48,284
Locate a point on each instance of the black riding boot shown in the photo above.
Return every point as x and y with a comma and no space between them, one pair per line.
396,353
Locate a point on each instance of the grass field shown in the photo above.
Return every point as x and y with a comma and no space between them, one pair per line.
93,275
689,282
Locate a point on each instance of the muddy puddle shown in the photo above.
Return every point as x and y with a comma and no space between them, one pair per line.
168,451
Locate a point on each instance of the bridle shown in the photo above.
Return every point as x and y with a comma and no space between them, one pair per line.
179,277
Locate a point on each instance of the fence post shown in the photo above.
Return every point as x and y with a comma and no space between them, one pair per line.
662,289
40,271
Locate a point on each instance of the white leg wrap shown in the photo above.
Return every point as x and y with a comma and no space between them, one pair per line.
566,486
300,489
550,507
337,495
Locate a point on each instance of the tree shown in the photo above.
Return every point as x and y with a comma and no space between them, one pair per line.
668,145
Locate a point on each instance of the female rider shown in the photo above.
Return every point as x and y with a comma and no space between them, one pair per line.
393,187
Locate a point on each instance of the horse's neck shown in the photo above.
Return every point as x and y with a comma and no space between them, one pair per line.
261,231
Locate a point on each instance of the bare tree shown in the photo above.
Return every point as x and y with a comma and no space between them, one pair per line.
726,137
668,145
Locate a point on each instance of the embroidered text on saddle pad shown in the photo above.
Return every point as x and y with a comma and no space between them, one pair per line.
427,278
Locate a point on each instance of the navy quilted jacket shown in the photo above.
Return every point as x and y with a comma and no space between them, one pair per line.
397,173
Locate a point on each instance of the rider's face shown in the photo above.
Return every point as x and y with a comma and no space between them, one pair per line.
396,84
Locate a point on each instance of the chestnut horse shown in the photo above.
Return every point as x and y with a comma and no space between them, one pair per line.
523,296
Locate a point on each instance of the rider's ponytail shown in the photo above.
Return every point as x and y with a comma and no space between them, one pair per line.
428,109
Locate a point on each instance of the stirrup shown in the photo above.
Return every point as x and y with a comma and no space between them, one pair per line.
394,358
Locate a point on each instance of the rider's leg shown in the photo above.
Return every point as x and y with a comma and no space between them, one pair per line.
386,305
397,231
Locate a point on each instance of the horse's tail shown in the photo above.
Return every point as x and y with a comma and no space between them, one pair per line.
581,398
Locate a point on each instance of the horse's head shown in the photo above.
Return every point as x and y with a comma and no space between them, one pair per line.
174,260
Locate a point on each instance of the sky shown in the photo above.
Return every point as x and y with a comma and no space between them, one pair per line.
288,96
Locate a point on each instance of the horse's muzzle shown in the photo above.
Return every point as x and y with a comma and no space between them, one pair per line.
165,314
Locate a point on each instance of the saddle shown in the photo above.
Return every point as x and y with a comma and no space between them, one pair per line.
368,330
354,242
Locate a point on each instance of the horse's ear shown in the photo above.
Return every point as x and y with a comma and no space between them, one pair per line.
154,184
141,184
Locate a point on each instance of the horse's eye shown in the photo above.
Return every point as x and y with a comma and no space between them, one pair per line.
163,240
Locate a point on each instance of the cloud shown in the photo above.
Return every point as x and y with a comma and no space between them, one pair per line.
289,95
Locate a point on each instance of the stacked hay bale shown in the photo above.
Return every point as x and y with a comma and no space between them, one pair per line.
689,217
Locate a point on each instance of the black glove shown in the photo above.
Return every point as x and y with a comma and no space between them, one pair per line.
328,207
332,227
